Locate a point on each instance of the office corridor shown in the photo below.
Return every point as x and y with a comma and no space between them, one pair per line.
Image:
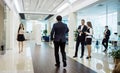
43,62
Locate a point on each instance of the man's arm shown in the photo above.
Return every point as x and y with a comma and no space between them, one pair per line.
52,32
67,29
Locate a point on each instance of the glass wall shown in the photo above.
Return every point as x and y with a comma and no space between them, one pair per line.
99,23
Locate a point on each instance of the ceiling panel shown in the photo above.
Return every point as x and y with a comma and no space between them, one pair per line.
35,16
41,5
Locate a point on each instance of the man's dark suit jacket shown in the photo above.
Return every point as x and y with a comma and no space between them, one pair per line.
82,37
107,35
59,31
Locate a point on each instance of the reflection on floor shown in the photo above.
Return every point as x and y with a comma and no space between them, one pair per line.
13,62
100,61
43,62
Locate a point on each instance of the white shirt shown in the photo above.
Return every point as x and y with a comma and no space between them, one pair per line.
89,33
81,29
21,31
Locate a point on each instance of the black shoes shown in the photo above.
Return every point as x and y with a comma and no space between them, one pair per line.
57,65
64,64
74,56
88,57
104,50
81,56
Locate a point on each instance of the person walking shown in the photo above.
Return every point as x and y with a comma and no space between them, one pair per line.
58,33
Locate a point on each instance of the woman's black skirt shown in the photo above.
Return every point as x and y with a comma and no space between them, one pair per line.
20,37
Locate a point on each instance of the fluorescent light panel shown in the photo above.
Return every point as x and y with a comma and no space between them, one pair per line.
17,5
63,7
72,1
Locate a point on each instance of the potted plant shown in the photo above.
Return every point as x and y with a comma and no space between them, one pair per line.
45,32
45,37
75,34
116,56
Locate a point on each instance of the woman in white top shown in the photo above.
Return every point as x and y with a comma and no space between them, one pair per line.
89,35
20,37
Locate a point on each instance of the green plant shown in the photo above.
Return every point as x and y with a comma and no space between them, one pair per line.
75,34
119,36
45,32
115,54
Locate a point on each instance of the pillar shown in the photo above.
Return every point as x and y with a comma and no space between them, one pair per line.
72,24
38,34
49,27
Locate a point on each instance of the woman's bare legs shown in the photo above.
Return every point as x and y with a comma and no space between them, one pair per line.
22,46
89,50
19,46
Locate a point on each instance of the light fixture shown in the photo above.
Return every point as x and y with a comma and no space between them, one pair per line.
17,5
63,7
72,1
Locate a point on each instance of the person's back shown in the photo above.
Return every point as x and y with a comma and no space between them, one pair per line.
58,33
60,30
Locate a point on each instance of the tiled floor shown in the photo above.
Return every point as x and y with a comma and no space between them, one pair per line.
13,62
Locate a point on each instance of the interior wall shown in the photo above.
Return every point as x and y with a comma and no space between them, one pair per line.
2,31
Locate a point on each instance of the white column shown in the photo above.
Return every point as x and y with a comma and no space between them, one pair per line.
118,24
12,23
49,27
72,24
33,30
9,30
38,34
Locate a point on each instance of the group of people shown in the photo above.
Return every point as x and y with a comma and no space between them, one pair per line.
58,35
85,34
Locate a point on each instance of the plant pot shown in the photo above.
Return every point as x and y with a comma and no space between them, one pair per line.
116,61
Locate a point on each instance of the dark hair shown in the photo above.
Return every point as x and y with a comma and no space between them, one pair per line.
83,20
20,27
89,24
106,26
59,18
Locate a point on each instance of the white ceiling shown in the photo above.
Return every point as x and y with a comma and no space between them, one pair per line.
100,8
40,5
39,9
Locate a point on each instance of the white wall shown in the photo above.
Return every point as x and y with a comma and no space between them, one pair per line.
12,24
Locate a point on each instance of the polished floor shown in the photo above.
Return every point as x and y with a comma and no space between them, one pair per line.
43,62
13,62
40,59
100,62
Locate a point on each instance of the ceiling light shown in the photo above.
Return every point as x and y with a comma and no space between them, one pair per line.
72,1
17,5
63,7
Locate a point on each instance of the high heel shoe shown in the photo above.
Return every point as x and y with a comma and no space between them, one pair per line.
88,57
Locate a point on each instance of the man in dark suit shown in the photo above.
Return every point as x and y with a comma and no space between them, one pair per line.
106,38
58,35
81,38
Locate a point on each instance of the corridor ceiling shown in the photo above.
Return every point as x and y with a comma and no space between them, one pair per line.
39,9
100,8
